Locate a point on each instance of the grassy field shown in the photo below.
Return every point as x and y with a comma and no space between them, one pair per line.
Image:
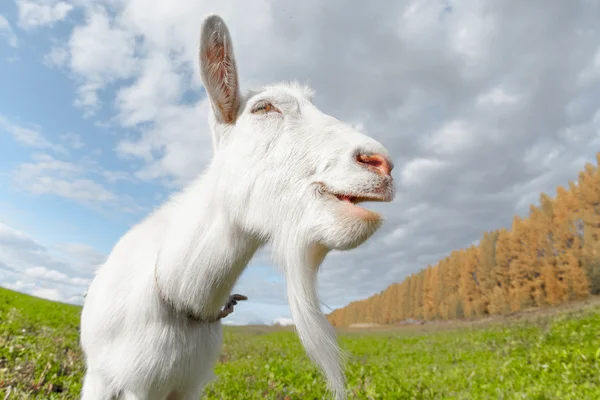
551,355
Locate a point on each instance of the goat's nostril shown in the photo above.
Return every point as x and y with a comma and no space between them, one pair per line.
376,161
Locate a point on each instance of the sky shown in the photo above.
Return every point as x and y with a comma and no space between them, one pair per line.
481,104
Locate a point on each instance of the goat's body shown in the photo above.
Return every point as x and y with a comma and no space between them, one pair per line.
282,173
164,361
135,345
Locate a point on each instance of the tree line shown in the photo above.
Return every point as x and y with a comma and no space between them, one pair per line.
550,257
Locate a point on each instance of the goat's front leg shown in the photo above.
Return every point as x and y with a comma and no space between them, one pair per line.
233,299
95,387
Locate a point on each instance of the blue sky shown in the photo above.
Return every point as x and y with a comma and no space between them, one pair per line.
102,115
39,122
62,184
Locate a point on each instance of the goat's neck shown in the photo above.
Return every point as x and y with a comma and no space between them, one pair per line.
203,252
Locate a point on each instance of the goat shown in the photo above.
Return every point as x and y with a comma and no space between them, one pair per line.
283,173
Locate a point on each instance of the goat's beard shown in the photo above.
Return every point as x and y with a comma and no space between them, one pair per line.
300,262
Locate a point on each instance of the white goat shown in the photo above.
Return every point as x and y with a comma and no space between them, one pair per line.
282,173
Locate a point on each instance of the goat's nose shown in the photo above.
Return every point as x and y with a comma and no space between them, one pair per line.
379,163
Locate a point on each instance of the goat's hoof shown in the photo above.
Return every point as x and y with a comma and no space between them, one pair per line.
233,299
237,297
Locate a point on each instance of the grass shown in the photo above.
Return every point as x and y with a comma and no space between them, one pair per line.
551,356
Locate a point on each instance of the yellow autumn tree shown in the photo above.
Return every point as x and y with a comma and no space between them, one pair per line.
547,258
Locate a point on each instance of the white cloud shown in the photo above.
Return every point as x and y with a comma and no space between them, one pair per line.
19,285
60,277
591,73
57,57
48,175
481,103
27,136
61,272
255,312
174,132
16,240
496,97
40,13
84,257
283,321
157,86
7,31
99,52
472,30
454,137
43,272
418,169
80,181
48,293
72,140
115,176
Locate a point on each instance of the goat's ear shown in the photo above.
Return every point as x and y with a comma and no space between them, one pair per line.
218,70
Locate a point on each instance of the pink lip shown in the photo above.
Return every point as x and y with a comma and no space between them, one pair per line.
351,204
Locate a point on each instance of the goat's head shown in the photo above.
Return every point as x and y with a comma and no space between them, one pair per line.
287,163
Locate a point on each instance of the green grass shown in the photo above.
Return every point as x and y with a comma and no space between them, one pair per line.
553,357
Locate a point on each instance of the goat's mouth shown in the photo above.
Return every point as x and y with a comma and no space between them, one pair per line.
354,200
351,201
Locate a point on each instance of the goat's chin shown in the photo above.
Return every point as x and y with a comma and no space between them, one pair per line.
353,211
350,229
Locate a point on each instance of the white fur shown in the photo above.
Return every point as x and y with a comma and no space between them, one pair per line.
269,182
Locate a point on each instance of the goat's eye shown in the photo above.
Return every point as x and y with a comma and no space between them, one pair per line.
263,108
